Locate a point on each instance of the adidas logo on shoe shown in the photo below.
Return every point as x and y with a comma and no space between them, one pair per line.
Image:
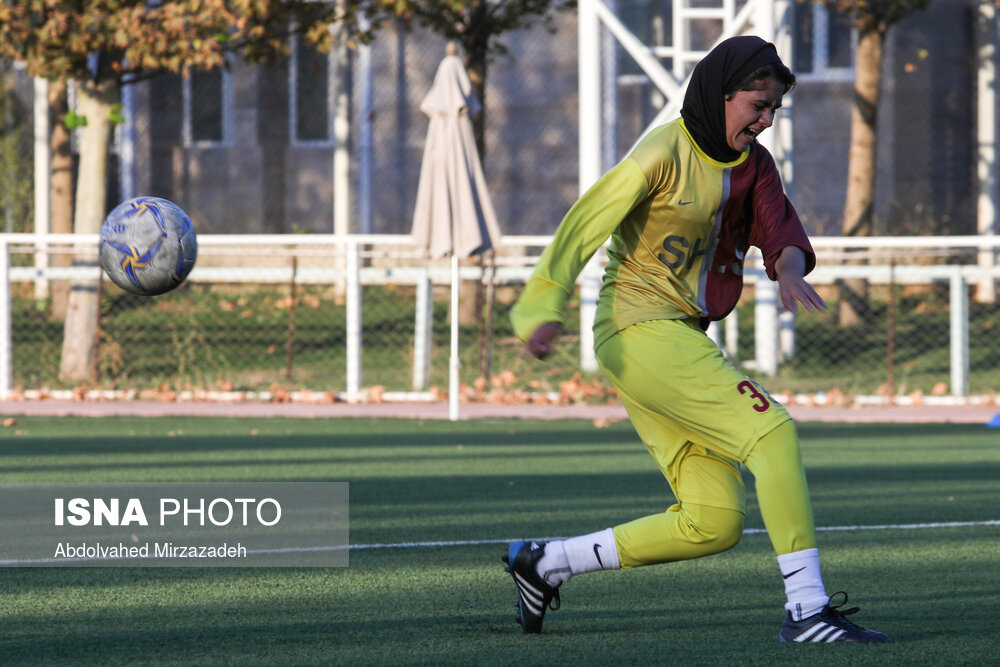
534,595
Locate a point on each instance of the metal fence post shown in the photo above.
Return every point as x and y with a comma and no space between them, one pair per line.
766,325
422,332
6,325
590,289
454,361
959,315
714,332
353,305
727,339
733,334
786,335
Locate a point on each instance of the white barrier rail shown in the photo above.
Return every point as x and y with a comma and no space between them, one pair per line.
774,332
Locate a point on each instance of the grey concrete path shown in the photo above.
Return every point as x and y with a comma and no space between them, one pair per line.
909,414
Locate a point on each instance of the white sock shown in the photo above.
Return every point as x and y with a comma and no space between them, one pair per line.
803,583
587,553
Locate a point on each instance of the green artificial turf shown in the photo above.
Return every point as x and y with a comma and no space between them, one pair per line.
877,490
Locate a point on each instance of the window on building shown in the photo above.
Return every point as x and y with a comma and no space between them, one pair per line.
310,106
824,43
206,105
650,22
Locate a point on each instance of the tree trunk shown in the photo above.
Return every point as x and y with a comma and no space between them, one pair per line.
94,101
858,209
476,68
61,189
475,49
477,77
475,44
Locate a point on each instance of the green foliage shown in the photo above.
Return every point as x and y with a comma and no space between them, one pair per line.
74,121
115,114
16,195
876,15
58,38
477,25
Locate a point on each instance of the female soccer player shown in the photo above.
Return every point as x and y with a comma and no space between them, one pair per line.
681,211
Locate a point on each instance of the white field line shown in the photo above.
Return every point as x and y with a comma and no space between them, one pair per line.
748,531
466,543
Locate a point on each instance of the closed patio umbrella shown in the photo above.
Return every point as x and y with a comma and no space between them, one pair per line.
453,215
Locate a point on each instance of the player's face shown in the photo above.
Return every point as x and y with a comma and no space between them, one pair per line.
750,112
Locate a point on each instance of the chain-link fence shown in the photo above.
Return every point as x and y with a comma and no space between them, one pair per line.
269,321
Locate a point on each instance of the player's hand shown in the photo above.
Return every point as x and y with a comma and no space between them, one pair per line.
792,287
795,290
543,340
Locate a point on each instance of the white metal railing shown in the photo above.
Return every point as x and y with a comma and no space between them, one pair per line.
774,338
350,249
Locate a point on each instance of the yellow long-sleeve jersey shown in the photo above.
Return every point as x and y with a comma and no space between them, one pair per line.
680,225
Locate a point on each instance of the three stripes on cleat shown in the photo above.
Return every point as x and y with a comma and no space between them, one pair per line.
820,633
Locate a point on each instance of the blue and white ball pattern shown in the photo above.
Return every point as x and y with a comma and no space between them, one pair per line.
148,245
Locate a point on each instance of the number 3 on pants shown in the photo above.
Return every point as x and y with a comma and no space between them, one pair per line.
756,393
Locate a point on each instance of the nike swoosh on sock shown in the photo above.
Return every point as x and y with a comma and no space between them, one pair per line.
597,553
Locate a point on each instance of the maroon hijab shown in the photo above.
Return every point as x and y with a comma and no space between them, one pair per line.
704,109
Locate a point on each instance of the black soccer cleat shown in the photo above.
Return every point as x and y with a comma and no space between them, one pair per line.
830,625
534,595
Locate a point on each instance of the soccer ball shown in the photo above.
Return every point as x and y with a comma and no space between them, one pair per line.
148,245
